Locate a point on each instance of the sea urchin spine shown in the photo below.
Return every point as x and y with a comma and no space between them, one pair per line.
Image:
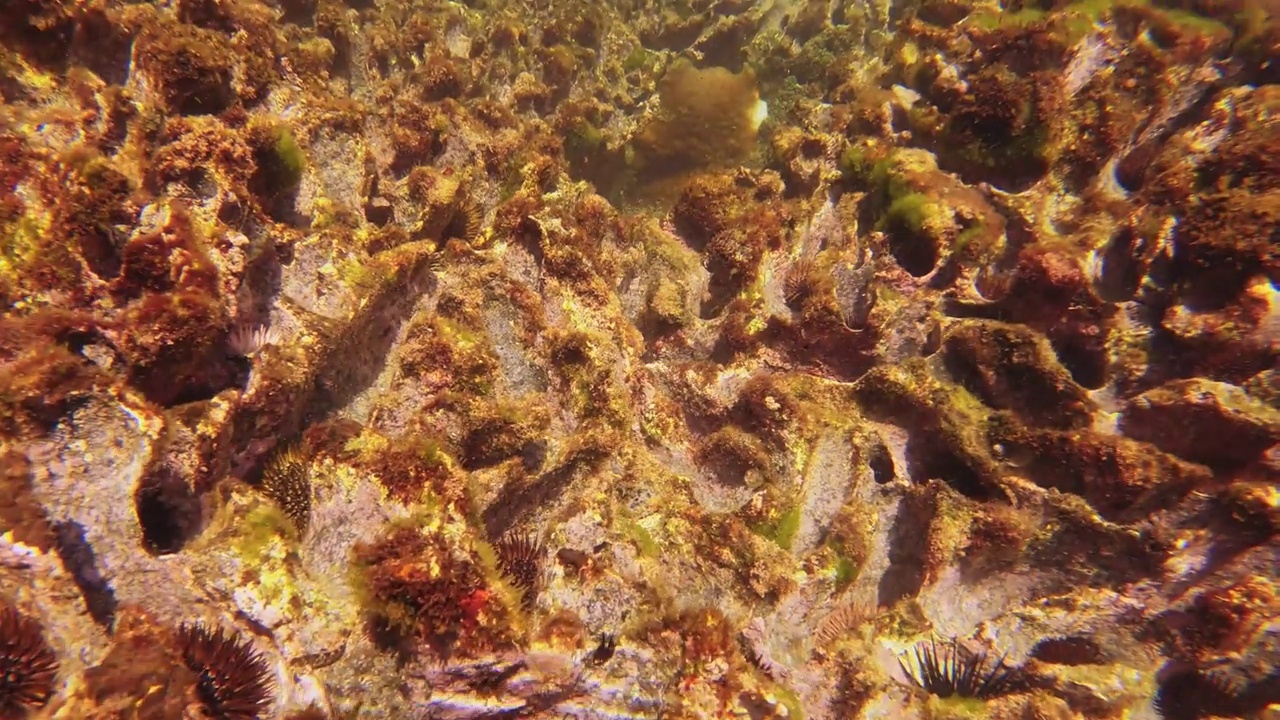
234,679
28,667
953,671
520,558
287,481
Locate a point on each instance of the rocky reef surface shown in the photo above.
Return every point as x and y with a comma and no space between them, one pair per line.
696,359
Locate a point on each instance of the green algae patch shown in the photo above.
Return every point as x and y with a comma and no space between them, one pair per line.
260,530
889,175
19,245
969,238
910,212
789,700
855,163
845,569
997,19
956,708
782,530
641,538
292,160
637,59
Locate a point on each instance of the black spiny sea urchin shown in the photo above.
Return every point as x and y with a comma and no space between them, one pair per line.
28,667
287,481
234,679
953,671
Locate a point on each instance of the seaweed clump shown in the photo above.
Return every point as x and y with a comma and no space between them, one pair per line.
708,118
421,587
189,65
142,675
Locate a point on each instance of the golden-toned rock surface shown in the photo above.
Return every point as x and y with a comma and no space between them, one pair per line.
505,358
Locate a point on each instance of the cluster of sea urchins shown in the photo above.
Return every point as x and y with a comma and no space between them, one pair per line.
233,681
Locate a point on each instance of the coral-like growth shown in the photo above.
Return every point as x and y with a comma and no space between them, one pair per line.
235,681
28,667
708,652
955,671
287,481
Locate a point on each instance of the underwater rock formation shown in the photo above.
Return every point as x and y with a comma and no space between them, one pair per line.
683,360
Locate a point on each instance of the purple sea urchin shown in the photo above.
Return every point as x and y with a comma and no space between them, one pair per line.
798,282
28,667
954,671
520,558
234,679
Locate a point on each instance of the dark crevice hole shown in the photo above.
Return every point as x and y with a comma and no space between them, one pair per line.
1121,270
914,252
167,509
881,464
927,460
1085,357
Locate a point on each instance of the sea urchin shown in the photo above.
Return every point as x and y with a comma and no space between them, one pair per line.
28,667
953,671
520,558
287,481
234,679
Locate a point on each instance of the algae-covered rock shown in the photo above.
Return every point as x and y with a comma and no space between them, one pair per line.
1210,422
692,360
948,440
1011,367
